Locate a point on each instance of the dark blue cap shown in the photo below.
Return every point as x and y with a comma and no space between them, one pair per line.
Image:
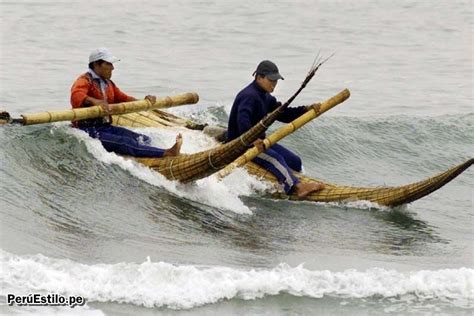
268,69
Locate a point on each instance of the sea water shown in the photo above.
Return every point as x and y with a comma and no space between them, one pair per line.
77,220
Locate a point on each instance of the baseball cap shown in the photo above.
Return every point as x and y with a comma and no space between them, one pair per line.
269,69
104,54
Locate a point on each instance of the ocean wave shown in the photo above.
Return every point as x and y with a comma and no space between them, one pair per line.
161,284
51,155
399,137
346,150
372,150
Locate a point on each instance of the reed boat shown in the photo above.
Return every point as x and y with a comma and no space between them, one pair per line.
238,153
386,196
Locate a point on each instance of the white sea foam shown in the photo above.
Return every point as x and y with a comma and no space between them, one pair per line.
160,284
360,204
210,191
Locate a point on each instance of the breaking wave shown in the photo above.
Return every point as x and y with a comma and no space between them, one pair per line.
161,284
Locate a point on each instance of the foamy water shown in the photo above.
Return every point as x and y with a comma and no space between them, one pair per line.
157,284
210,191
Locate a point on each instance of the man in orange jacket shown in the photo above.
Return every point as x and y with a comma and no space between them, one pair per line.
95,88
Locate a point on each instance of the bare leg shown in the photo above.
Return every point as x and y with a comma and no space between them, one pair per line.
176,149
303,189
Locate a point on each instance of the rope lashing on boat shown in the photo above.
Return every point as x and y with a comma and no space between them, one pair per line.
242,141
171,169
210,161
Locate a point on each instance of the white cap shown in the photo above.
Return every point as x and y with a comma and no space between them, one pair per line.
104,54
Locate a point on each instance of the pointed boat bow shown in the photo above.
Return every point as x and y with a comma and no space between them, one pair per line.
412,192
388,196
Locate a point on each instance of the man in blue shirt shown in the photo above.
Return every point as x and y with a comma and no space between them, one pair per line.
250,106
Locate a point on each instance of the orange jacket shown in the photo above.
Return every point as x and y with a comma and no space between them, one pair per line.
85,86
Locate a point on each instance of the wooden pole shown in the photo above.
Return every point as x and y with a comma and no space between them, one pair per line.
116,109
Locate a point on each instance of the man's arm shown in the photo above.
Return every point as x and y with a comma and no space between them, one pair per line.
120,96
244,115
79,91
289,114
79,97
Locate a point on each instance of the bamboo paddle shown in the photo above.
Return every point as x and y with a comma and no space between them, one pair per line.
284,131
97,111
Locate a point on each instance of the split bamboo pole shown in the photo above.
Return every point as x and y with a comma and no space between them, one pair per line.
116,109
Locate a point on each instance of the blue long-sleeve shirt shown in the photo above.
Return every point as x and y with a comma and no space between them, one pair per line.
251,105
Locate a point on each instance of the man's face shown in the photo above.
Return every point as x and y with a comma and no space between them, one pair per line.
266,84
104,70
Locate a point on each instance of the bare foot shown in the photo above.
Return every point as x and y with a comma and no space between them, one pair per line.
176,149
303,189
4,117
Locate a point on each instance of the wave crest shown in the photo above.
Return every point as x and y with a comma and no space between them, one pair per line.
161,284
